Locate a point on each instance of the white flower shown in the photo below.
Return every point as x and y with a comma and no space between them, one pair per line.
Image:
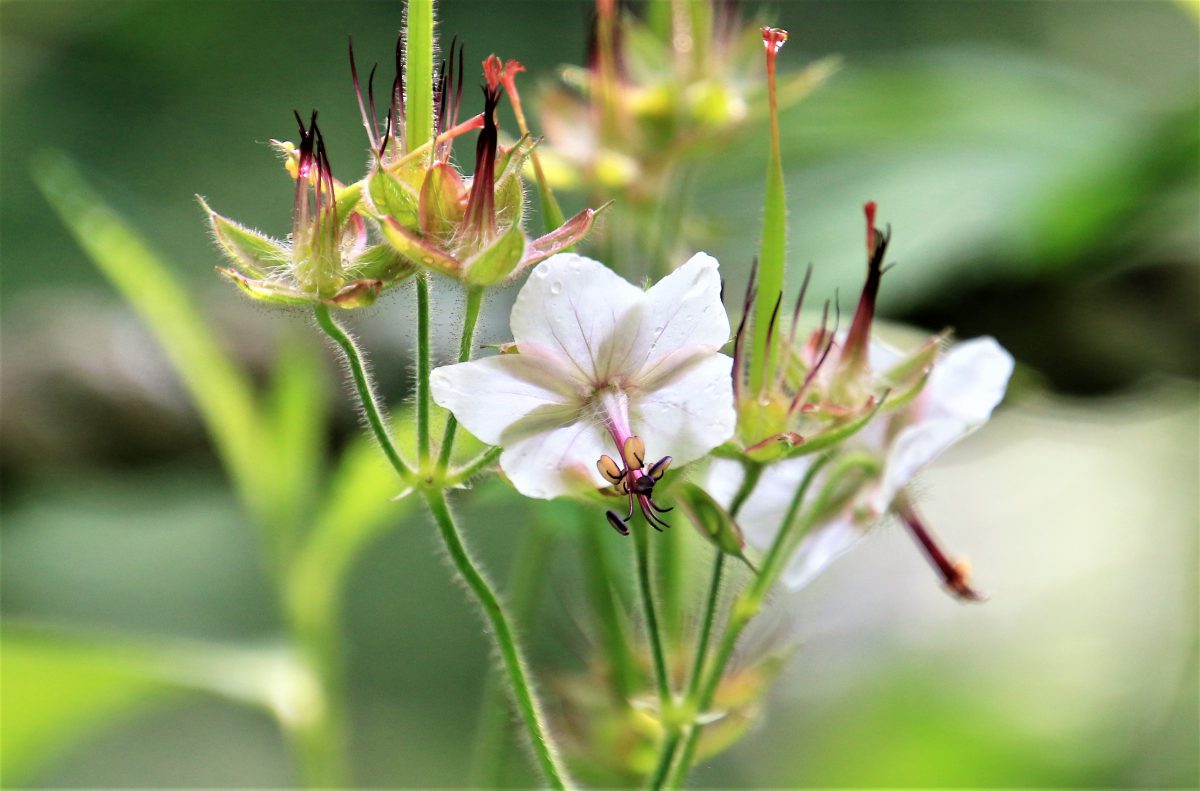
963,388
599,361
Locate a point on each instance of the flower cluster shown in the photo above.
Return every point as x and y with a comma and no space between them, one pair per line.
656,90
429,215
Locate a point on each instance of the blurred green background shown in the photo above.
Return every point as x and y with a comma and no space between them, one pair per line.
1040,166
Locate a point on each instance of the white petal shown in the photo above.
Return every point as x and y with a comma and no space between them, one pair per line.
680,313
969,381
555,460
572,308
824,545
963,389
688,414
490,395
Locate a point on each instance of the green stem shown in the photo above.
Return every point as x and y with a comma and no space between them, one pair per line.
523,586
423,373
366,393
465,344
471,468
418,74
667,755
745,608
514,664
641,549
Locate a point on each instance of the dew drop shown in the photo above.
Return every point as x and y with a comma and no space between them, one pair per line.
556,287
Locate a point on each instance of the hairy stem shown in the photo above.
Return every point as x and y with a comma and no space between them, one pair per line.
510,654
366,392
465,344
423,373
523,586
667,755
745,607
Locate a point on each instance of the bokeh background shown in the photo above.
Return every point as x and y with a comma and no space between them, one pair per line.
1039,165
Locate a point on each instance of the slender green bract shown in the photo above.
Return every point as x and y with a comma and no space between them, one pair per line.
773,250
510,654
418,74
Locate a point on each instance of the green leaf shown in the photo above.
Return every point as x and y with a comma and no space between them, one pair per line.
295,409
56,692
221,391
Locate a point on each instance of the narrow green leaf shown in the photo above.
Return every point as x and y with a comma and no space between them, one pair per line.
222,393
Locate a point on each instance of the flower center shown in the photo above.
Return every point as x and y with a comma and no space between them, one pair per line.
635,479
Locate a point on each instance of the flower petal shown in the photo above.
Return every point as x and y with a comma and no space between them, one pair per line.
963,389
683,311
490,395
819,548
547,458
574,309
688,414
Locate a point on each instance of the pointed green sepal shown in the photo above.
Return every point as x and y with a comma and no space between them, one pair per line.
382,262
499,260
774,447
840,432
712,520
443,201
249,250
348,199
907,378
266,291
394,199
561,238
359,294
417,250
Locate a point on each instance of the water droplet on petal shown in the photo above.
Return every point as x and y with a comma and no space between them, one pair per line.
556,287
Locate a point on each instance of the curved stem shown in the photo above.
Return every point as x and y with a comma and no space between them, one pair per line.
366,392
745,608
465,344
514,664
472,468
423,373
524,584
641,549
